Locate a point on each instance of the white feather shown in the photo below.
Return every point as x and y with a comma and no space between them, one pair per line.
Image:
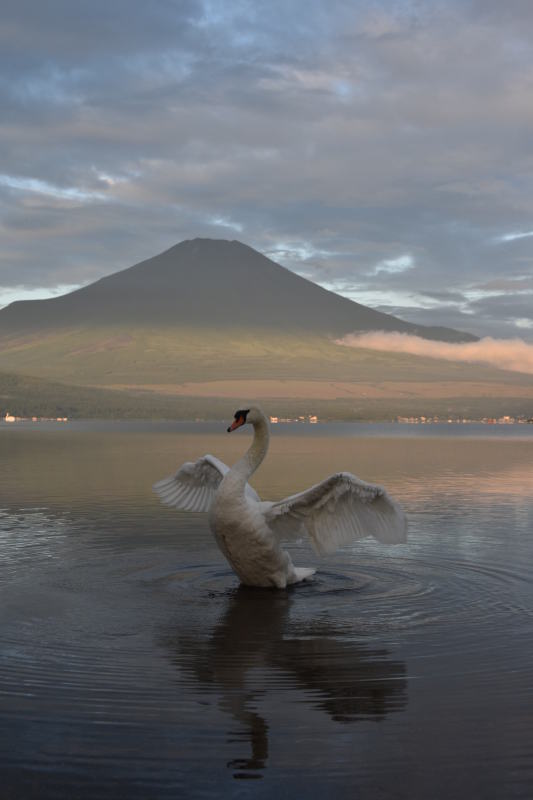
194,485
337,511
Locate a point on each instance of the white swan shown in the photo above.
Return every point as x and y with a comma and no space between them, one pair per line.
249,532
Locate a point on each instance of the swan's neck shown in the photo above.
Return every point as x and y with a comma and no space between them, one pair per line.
255,453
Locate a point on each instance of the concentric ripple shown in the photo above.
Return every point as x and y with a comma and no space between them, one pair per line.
132,664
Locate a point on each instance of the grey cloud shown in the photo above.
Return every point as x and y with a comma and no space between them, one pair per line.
33,32
506,306
510,284
478,324
446,296
340,135
493,315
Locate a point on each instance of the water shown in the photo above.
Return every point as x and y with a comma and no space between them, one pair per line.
132,665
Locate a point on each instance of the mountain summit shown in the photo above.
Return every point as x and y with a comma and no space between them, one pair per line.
210,284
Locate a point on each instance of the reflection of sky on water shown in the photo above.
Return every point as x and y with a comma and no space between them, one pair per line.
116,465
129,654
513,482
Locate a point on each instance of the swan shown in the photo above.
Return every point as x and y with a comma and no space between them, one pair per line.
249,531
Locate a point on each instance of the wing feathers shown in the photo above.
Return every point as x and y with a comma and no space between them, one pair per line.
194,485
340,510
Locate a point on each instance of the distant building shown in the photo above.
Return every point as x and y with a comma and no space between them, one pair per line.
10,418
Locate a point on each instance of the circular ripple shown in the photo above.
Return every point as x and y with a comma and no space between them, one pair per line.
112,630
374,595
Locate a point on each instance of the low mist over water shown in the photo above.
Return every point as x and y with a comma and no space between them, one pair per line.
133,665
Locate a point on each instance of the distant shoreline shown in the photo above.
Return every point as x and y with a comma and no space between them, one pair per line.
355,429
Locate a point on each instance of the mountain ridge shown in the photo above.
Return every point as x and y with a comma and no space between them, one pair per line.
210,283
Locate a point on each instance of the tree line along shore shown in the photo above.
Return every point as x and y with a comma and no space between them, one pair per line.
30,397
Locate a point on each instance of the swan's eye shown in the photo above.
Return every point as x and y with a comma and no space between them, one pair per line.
242,413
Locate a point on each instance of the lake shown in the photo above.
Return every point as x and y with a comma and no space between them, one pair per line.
132,665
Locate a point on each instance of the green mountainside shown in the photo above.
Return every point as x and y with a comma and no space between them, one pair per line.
133,355
26,397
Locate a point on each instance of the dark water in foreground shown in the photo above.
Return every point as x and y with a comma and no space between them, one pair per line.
132,665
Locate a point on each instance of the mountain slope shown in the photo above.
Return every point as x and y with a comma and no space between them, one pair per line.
157,355
29,396
209,284
187,332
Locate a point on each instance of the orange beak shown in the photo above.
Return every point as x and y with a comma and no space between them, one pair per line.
236,424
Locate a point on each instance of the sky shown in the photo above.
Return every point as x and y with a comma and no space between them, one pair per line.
383,148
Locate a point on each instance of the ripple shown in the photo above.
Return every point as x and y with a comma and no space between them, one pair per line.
129,637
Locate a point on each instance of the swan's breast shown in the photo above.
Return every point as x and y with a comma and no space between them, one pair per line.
237,521
245,539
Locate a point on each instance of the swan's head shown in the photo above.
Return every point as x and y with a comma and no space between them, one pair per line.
246,416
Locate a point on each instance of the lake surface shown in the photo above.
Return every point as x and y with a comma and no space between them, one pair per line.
133,666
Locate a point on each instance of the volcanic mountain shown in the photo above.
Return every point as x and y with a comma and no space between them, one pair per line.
210,284
209,323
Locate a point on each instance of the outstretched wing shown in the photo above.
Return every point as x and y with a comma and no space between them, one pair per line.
194,485
337,511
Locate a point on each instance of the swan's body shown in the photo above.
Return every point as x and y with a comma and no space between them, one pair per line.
249,532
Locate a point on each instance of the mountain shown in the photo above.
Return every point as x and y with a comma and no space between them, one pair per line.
210,284
207,324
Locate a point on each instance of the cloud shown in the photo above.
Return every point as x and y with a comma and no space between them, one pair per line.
20,293
394,265
380,147
42,187
511,237
514,355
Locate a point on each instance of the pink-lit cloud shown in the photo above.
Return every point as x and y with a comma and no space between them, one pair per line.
509,354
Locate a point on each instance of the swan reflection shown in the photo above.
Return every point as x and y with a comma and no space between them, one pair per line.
255,650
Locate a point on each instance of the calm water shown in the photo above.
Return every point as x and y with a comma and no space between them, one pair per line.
133,666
